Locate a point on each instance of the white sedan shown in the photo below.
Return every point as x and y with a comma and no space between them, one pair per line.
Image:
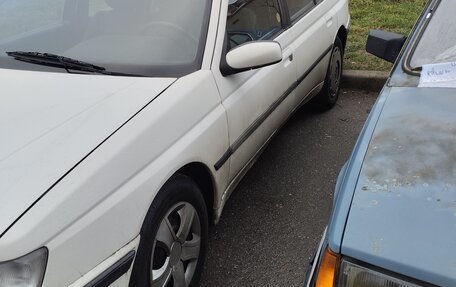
126,125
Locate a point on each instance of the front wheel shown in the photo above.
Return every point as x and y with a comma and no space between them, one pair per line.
329,94
173,237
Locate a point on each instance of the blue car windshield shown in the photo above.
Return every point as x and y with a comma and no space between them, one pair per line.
143,37
438,42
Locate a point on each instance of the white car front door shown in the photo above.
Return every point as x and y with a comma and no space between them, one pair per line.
256,101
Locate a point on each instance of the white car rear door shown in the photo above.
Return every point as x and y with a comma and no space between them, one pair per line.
314,26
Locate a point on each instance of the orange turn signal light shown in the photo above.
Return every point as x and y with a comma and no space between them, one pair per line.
329,269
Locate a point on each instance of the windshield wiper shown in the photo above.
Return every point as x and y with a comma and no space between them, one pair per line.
57,61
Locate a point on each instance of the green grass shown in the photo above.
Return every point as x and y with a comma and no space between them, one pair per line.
390,15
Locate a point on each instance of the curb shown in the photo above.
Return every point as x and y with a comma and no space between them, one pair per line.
372,81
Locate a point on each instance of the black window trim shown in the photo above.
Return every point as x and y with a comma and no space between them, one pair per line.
417,33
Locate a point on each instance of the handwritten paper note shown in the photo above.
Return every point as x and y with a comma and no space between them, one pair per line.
439,75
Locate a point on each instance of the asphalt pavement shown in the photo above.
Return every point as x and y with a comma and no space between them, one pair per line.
274,219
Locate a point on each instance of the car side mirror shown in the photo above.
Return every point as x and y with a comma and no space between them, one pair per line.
251,55
385,45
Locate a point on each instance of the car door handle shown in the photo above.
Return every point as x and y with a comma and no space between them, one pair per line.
329,22
287,56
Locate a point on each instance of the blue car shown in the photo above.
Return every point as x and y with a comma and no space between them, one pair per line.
394,214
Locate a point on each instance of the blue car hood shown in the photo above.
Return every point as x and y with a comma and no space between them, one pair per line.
403,213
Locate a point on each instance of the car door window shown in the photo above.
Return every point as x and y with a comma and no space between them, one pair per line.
299,7
251,20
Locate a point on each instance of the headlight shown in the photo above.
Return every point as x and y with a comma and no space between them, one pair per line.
335,271
27,271
353,275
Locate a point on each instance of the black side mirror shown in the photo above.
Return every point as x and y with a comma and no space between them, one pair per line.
385,45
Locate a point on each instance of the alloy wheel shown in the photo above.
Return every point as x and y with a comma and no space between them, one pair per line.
176,248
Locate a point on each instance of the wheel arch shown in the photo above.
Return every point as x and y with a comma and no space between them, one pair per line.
202,176
343,34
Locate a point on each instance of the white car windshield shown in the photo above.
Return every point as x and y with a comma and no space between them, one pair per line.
438,42
141,37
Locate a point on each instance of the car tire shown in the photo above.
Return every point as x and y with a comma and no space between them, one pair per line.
174,236
329,94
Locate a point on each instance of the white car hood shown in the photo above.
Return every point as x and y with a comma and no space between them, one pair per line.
50,121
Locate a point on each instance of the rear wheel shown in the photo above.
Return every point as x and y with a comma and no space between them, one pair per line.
329,94
173,241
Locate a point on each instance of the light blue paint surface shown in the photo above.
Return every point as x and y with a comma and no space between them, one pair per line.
347,180
403,214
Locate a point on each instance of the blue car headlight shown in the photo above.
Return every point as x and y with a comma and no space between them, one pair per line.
336,271
354,275
27,271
